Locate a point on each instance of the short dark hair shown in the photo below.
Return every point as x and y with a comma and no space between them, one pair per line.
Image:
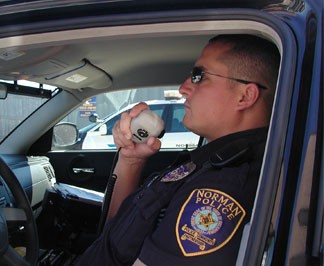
252,58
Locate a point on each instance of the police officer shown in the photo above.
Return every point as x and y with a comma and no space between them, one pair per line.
194,212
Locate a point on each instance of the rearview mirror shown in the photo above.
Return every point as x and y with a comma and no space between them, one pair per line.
3,91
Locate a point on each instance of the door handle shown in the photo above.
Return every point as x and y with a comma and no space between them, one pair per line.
83,170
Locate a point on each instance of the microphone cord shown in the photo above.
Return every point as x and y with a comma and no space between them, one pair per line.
108,194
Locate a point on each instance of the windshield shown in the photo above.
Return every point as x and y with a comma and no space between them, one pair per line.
19,104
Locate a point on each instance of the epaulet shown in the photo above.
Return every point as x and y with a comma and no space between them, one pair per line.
229,154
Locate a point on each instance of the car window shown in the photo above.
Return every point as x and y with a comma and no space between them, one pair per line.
95,118
110,124
176,122
158,109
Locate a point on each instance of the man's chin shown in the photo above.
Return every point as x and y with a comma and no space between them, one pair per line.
186,123
188,126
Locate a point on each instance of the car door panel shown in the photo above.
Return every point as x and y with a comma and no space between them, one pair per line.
91,169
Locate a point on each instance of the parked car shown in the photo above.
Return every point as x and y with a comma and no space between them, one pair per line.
176,136
51,193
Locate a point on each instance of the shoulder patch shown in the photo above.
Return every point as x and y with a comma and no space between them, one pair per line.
207,221
179,173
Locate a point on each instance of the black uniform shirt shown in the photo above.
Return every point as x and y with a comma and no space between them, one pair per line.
204,220
191,214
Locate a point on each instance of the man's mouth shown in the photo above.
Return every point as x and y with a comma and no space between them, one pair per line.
186,105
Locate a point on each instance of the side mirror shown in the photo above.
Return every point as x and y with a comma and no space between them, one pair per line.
3,91
64,134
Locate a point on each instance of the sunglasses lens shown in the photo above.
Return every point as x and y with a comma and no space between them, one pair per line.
196,75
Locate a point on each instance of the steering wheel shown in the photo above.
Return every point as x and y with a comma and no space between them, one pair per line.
21,213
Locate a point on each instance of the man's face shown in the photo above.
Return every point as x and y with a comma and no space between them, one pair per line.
210,104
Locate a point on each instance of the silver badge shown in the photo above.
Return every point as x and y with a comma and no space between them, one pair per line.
181,172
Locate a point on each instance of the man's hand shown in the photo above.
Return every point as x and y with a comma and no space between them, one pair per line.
123,137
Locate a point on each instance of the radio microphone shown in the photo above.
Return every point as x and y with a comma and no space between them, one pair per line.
145,125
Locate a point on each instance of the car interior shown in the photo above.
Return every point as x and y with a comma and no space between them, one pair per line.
65,188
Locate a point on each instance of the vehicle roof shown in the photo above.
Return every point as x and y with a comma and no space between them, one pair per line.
124,6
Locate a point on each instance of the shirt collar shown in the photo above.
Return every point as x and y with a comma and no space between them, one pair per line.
202,154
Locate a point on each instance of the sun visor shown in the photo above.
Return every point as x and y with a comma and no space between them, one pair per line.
84,75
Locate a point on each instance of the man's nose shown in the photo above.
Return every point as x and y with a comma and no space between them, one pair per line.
186,87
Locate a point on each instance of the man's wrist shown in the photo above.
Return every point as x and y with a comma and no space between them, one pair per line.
126,161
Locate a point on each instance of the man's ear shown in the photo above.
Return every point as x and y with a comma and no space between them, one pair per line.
249,94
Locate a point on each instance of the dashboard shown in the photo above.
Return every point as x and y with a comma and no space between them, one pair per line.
34,173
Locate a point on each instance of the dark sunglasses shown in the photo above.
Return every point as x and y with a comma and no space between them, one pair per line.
197,75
